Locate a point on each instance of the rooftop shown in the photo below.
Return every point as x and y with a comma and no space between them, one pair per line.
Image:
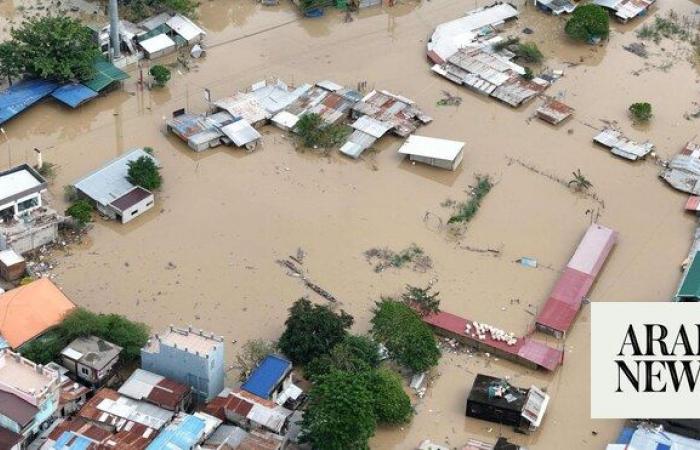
189,340
148,386
9,439
242,403
267,376
30,310
111,408
92,351
497,392
429,147
18,182
22,377
76,433
16,409
109,183
183,433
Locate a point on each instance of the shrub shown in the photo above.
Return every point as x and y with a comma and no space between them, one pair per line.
528,75
588,22
160,74
315,133
421,299
354,354
641,112
145,172
81,211
528,52
466,211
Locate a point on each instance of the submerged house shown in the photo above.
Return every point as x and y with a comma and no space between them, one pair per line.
555,7
622,146
202,131
554,112
331,101
91,359
625,10
378,113
683,171
249,411
441,153
113,194
495,400
26,222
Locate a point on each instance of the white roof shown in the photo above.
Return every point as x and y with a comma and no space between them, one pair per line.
293,391
241,132
371,126
285,119
15,182
72,354
10,257
185,27
157,43
535,406
329,85
109,183
140,384
429,147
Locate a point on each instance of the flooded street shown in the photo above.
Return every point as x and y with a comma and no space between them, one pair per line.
224,216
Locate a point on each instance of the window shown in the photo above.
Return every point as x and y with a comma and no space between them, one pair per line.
133,213
84,371
31,203
149,204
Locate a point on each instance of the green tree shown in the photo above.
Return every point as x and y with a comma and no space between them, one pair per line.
392,405
55,47
340,413
354,354
409,341
44,349
579,181
145,172
160,74
131,336
422,299
641,112
252,353
528,52
588,22
315,133
81,211
312,330
10,63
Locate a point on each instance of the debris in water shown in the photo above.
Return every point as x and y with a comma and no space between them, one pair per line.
638,48
527,262
383,258
449,99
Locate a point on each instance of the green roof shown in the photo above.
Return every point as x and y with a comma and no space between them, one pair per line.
690,288
105,74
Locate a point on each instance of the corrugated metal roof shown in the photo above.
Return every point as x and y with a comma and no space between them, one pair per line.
74,94
241,132
185,27
371,126
267,376
183,433
429,147
244,106
622,146
106,73
109,183
157,43
22,95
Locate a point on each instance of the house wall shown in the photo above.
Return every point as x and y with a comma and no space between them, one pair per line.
441,163
205,375
138,209
23,239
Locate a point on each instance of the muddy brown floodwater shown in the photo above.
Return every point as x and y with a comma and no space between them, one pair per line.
224,216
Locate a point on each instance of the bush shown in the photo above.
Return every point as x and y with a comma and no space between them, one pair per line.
160,74
466,211
421,299
312,330
392,405
588,22
81,211
340,414
409,341
252,353
640,112
145,172
315,133
528,52
528,75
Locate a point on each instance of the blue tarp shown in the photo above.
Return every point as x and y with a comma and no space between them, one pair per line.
71,441
267,376
22,95
74,95
180,435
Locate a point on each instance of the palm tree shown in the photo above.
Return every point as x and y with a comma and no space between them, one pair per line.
579,181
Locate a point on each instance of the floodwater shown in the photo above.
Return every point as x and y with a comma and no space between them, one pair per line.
224,216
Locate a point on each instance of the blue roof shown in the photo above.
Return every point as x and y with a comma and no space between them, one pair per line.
265,378
180,435
71,441
74,94
22,95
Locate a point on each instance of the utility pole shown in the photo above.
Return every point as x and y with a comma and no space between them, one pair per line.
114,29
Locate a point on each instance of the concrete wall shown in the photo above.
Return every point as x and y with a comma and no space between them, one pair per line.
138,209
205,375
23,239
441,163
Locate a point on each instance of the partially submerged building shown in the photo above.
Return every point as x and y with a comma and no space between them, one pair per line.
329,100
554,111
29,395
622,146
378,113
30,311
271,377
559,312
555,7
249,411
191,357
496,400
625,10
113,194
156,389
91,359
26,222
683,171
202,131
441,153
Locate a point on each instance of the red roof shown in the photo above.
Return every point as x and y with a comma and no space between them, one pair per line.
168,394
693,203
525,348
564,302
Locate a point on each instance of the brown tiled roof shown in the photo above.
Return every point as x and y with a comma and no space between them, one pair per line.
18,410
9,439
131,198
168,393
